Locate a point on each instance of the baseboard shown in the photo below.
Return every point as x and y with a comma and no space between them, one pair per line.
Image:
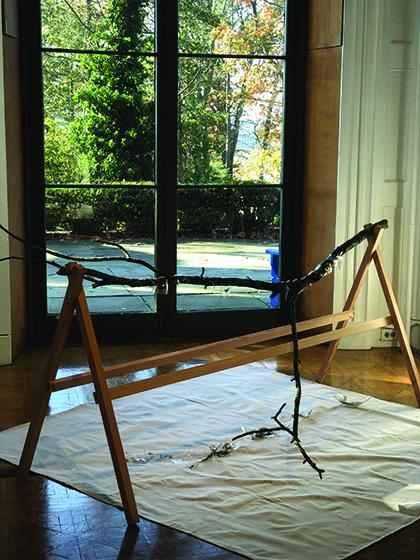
356,342
415,337
5,349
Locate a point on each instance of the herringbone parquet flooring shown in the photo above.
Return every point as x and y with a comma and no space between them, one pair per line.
44,520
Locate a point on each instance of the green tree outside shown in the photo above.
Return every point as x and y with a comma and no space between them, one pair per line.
99,125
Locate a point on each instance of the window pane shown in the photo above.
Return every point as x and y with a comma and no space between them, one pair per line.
227,231
230,120
232,27
98,24
78,219
98,118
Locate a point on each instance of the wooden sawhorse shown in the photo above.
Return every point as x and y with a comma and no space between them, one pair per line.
75,301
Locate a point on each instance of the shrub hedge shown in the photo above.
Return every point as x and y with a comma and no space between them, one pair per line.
207,212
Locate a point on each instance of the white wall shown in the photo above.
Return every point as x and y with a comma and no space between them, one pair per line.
5,319
415,304
379,148
415,330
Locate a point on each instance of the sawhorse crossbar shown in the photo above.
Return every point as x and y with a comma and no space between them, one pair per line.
75,301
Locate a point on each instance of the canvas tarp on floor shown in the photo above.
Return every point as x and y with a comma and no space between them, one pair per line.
260,500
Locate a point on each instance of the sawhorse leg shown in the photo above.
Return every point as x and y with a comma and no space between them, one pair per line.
75,299
373,253
51,368
107,411
397,321
350,302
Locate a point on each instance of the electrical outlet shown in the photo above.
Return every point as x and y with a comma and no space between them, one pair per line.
387,334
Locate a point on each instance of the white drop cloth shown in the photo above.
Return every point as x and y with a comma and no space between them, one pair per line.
260,500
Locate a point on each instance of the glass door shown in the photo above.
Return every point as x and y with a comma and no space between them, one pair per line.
172,131
231,66
98,77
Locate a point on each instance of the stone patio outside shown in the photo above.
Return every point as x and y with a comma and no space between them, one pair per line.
231,257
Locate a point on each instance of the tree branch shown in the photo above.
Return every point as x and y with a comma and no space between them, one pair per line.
119,246
79,19
294,287
80,259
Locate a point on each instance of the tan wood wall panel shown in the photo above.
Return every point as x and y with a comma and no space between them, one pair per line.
14,145
320,180
325,23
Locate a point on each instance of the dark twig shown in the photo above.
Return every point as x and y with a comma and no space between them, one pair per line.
220,450
102,259
277,421
296,371
119,246
294,286
297,285
265,432
80,20
63,271
80,259
294,432
306,457
225,281
260,432
105,279
12,258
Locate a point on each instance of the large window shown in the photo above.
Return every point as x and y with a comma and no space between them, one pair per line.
163,126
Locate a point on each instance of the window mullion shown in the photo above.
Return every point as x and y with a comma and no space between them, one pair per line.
166,151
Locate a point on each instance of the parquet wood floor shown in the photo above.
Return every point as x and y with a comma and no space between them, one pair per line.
45,520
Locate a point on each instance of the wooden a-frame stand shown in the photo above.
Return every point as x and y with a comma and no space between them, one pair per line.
75,300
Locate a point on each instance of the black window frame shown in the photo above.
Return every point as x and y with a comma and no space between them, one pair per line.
167,321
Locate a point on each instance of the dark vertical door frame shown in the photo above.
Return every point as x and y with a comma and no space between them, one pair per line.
294,119
32,118
166,153
166,321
